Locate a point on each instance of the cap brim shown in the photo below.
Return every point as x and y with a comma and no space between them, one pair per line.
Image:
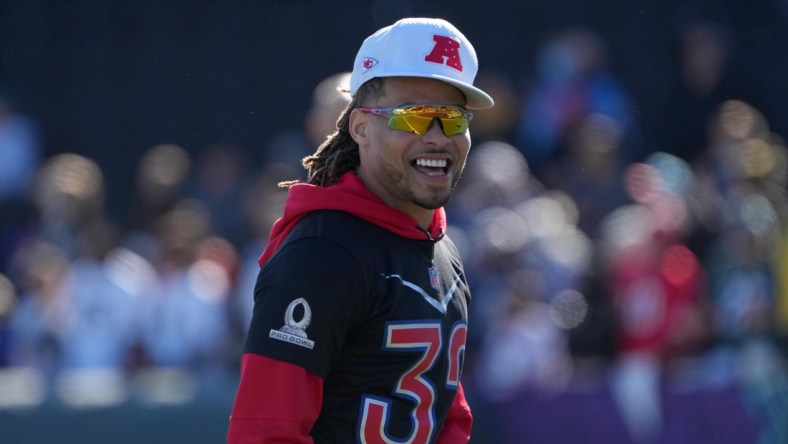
475,98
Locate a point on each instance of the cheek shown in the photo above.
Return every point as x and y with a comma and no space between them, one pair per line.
463,148
388,146
378,155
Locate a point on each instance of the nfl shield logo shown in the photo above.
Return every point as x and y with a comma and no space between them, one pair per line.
434,279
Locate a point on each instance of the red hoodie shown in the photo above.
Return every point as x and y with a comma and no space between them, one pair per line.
351,196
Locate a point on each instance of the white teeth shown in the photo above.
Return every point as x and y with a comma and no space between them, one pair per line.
432,163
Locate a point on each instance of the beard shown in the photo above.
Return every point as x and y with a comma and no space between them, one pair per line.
433,199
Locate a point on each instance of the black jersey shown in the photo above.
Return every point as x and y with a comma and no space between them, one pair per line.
382,319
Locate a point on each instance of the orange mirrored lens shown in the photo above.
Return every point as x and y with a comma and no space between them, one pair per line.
417,119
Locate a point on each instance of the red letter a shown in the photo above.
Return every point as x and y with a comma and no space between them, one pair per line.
446,51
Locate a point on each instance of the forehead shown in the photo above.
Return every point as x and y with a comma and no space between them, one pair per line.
406,90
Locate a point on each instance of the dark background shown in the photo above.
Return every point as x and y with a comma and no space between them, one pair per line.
110,79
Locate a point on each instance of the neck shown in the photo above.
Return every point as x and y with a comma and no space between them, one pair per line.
425,220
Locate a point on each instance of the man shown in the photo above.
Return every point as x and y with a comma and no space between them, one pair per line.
361,305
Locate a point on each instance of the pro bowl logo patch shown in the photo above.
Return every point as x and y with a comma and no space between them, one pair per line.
294,331
367,63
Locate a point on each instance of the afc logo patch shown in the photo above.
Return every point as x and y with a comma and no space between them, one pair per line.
445,52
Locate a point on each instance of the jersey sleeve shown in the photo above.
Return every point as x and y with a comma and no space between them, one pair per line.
275,402
307,297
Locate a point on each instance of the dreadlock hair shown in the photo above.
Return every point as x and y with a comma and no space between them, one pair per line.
339,153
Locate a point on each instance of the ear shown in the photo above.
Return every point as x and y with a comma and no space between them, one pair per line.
358,126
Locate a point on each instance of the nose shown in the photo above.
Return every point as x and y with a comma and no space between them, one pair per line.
435,133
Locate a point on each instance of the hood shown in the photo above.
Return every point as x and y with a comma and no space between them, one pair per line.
351,196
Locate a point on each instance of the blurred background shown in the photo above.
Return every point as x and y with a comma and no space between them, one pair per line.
623,215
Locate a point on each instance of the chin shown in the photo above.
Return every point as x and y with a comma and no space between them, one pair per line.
433,202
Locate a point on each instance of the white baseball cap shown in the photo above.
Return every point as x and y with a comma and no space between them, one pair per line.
421,47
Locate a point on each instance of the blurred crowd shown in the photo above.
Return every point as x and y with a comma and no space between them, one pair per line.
598,264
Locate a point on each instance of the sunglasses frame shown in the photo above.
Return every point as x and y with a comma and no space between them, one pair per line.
432,111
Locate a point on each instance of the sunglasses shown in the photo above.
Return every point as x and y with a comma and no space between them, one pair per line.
417,119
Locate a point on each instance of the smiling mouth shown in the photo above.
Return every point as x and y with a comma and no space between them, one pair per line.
432,167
